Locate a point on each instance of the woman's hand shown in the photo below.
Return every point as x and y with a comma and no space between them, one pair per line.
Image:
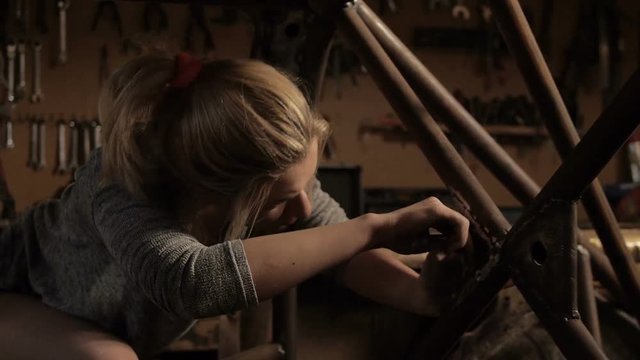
407,230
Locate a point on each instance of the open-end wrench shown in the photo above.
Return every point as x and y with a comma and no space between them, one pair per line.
460,11
11,72
61,161
36,88
21,87
42,145
63,5
96,128
86,141
8,140
73,162
33,145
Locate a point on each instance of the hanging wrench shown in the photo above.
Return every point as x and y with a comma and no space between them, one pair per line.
86,141
21,87
63,5
8,143
73,163
11,72
33,145
460,11
42,145
61,166
96,133
36,87
437,4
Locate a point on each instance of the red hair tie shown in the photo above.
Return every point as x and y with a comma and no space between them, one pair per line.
187,70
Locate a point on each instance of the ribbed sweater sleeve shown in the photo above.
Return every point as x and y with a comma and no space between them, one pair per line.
174,270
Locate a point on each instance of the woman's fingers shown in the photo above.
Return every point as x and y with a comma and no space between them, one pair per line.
453,225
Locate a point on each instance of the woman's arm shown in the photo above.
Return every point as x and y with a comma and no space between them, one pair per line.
380,275
278,262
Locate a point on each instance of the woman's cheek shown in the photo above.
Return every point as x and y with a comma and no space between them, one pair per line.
273,214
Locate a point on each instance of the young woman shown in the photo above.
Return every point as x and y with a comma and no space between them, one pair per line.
184,213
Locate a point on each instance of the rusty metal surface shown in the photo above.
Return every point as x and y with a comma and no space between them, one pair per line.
569,334
520,39
445,108
285,327
586,296
541,253
430,137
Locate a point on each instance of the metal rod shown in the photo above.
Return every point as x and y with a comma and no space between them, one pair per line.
429,136
447,162
286,322
586,296
577,342
455,324
446,332
445,108
520,39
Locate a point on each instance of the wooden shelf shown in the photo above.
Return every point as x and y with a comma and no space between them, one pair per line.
502,131
516,130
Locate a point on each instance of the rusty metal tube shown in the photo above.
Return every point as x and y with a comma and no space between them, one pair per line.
442,155
530,60
445,108
609,132
430,138
586,296
285,309
577,342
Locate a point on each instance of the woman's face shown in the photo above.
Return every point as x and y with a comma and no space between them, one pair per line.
289,198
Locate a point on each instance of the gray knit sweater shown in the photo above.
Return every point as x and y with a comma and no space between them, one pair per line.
99,254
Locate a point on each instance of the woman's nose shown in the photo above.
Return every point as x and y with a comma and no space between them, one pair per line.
299,208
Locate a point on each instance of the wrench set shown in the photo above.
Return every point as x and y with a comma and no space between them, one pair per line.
85,137
16,71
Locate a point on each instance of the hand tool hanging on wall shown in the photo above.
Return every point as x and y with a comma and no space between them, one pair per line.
61,161
85,127
197,23
33,144
63,6
8,203
103,67
96,129
36,88
154,17
385,6
21,13
611,70
491,49
460,11
75,143
41,17
42,144
107,8
544,40
11,72
8,133
21,86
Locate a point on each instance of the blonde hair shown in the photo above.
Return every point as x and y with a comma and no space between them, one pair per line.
233,131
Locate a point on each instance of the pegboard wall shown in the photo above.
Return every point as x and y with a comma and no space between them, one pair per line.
70,90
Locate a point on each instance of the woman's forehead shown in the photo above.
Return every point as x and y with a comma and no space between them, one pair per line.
297,177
